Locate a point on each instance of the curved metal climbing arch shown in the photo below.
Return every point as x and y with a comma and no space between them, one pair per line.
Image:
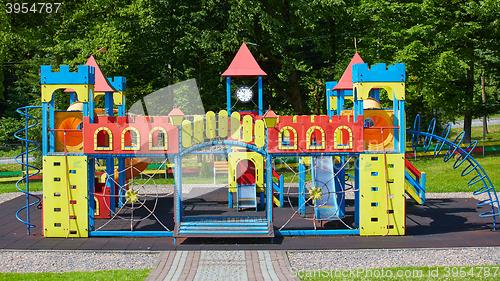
473,168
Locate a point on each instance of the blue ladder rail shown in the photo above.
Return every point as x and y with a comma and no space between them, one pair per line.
480,175
24,111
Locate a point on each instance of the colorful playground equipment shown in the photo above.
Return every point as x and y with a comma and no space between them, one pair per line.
357,152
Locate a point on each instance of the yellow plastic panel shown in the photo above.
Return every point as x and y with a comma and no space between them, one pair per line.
333,103
256,158
187,133
247,128
363,89
223,123
211,125
118,97
82,90
375,196
235,126
260,133
199,129
65,204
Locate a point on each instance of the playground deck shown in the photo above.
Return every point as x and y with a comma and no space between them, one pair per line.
439,223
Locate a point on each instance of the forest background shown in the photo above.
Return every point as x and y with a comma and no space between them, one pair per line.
448,46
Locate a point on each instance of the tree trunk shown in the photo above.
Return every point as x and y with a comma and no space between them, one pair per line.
295,93
470,94
467,126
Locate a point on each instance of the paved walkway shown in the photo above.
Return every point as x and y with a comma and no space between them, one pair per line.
222,265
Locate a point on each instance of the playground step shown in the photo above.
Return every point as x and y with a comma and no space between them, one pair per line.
224,227
410,190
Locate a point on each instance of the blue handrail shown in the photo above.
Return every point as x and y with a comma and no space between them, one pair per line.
24,111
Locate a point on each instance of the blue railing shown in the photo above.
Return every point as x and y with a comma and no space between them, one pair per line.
25,164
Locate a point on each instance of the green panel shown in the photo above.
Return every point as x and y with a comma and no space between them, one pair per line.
260,133
211,125
65,205
247,128
382,204
223,123
199,129
187,133
235,125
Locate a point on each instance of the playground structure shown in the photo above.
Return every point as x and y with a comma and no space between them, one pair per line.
358,152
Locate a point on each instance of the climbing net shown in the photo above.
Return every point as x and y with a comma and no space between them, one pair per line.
133,196
317,193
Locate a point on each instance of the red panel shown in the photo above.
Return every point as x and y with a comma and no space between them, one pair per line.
101,193
245,172
303,123
144,124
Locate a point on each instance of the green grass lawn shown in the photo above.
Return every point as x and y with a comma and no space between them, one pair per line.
103,275
441,177
487,272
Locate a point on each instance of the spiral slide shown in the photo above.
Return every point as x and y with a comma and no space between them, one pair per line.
72,140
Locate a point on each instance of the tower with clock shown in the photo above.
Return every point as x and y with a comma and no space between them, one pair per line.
244,65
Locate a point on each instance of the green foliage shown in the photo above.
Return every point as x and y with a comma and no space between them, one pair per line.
77,275
8,126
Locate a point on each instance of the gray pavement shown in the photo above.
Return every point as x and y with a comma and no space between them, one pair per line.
222,265
477,122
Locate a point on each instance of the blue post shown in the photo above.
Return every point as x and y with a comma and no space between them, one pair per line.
402,126
110,169
261,112
269,189
340,101
228,93
121,108
302,187
90,191
178,189
45,140
356,192
395,106
52,134
108,101
26,148
122,179
90,107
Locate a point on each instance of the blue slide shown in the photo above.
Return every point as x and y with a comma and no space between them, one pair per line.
331,205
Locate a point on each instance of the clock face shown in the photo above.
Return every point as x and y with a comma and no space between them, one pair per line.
244,94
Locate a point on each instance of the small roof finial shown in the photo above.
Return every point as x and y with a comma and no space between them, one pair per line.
355,45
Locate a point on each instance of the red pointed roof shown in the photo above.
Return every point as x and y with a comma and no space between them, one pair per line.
345,82
244,64
102,84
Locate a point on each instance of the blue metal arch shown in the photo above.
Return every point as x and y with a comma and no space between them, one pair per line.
465,154
223,142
